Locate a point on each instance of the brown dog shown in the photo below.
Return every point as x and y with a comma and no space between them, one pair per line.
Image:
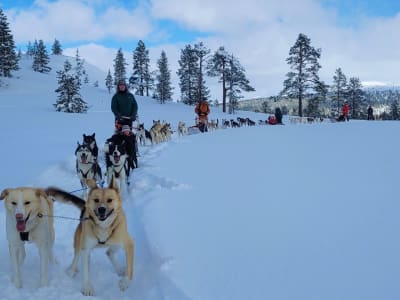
27,219
103,224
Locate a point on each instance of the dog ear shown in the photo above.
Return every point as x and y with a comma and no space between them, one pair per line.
41,193
113,184
4,194
94,134
91,183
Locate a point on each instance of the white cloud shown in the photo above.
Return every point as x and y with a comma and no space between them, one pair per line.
258,32
73,21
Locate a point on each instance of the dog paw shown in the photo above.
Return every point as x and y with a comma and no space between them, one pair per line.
44,282
123,283
87,290
17,282
120,271
71,271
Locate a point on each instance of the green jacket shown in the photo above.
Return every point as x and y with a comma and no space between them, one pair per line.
123,104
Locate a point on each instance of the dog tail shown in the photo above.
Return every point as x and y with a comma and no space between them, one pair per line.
65,197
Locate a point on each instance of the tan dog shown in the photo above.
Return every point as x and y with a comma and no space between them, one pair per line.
27,211
103,224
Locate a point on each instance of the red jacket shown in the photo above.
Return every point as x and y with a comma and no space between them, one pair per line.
345,109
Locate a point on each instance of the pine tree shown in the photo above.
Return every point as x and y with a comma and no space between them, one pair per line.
8,55
265,108
313,105
163,90
109,81
35,47
41,59
218,66
79,69
188,75
394,110
56,48
356,98
29,49
236,82
141,78
119,67
303,60
201,51
339,91
69,98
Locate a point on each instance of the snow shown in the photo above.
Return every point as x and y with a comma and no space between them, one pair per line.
305,211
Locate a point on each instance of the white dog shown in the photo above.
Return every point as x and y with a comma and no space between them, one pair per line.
182,129
29,213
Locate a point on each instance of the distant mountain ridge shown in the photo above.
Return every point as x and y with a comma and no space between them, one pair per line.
374,95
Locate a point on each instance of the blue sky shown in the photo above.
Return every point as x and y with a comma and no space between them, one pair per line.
360,37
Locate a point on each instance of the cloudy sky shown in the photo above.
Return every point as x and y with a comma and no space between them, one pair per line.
359,36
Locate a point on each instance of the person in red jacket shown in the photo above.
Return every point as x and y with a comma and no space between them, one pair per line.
346,110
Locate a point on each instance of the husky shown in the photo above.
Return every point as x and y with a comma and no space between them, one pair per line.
182,129
86,166
117,160
103,224
141,134
29,213
90,140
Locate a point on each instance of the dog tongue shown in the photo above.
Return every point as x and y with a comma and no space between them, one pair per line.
21,226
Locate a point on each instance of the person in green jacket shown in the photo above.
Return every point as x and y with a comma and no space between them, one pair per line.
125,108
124,105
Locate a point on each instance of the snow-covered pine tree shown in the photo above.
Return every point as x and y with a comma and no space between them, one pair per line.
313,105
217,66
79,69
203,92
41,59
141,78
339,91
303,61
163,90
35,47
119,67
394,113
56,48
188,75
356,98
29,49
8,55
109,81
69,98
236,83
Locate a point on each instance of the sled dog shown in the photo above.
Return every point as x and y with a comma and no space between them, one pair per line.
141,135
86,166
182,129
102,224
27,219
117,161
90,141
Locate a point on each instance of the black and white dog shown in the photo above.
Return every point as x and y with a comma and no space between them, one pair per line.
90,140
86,166
116,152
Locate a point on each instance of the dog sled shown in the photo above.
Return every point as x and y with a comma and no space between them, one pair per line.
193,130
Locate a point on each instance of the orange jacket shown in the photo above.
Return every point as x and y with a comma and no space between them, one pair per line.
202,110
345,109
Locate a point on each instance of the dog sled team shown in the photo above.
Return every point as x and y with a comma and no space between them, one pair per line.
102,221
